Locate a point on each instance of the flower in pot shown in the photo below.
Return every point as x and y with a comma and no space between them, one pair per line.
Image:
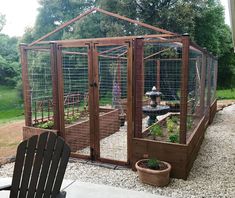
153,172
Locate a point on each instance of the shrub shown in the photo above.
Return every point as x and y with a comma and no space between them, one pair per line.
156,130
153,164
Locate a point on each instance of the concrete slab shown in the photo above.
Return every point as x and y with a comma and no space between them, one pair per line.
89,190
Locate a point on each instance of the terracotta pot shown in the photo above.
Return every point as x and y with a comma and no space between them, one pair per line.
154,177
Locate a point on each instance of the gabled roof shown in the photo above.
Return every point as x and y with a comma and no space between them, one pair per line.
162,31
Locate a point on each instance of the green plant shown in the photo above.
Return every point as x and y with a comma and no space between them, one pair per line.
174,138
153,164
45,125
189,122
170,125
72,118
156,130
175,119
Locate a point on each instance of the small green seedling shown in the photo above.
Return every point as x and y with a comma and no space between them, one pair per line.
72,119
156,130
175,119
174,138
46,125
153,164
189,122
170,125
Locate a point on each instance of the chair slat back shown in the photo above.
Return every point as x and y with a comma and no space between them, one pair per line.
40,166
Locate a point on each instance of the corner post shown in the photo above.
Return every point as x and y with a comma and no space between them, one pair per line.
138,75
184,88
55,91
203,79
60,85
26,86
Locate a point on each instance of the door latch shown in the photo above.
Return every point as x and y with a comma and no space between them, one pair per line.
94,84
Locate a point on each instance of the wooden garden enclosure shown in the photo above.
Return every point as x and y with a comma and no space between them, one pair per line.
81,88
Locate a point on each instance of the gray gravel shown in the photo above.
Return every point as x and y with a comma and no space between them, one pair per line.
213,173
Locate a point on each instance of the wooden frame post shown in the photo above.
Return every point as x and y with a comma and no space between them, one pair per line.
26,86
130,99
55,91
203,79
184,89
60,92
138,76
209,82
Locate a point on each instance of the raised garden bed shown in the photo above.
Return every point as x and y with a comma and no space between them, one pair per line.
180,156
74,133
167,129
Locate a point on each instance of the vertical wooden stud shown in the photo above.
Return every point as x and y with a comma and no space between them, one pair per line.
203,79
184,89
55,91
138,76
130,99
60,91
26,86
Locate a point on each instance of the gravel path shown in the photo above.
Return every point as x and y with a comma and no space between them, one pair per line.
213,173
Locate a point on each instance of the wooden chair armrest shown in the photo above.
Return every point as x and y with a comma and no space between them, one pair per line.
6,187
61,194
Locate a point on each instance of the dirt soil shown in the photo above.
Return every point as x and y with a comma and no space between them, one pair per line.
224,103
10,137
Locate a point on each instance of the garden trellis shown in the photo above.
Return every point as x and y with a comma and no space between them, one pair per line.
92,92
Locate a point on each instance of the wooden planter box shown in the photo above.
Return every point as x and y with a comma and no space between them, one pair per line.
180,156
78,135
31,131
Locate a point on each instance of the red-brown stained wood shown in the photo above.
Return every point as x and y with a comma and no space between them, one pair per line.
26,86
55,91
95,77
60,92
184,89
130,105
138,85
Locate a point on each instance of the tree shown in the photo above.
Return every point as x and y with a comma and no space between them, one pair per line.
2,21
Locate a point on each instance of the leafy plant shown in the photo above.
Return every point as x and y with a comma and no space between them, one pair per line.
170,125
174,138
156,130
175,119
73,118
153,164
46,125
189,122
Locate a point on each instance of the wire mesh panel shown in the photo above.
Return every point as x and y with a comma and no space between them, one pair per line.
194,89
213,80
162,70
112,63
76,109
40,88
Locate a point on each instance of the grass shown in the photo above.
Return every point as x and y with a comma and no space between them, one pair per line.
226,94
11,106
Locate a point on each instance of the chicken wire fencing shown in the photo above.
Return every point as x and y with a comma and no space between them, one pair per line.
40,88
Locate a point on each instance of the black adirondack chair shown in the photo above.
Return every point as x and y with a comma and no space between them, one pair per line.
39,167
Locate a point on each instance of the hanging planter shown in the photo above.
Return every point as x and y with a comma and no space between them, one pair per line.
153,172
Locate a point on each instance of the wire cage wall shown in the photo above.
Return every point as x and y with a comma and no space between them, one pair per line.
93,92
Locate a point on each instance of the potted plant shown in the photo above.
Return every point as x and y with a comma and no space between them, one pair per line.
153,172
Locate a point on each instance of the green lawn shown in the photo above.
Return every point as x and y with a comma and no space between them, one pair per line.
11,107
226,94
